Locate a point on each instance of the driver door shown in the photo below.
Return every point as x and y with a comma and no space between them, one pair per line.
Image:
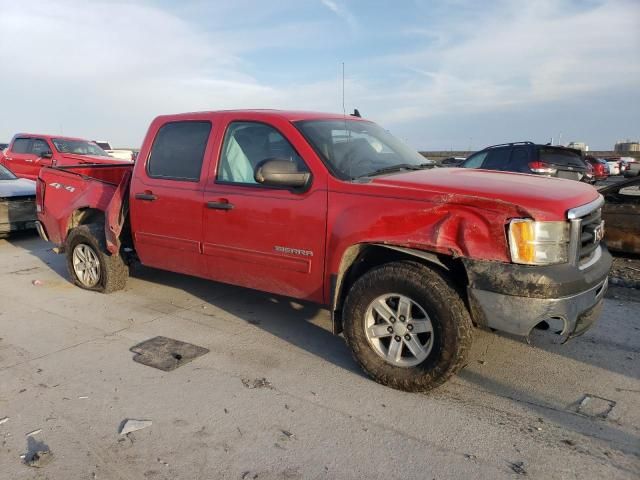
39,147
266,238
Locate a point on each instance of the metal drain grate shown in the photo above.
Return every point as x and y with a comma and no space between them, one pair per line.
166,353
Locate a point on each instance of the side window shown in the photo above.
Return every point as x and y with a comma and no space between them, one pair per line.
178,150
246,145
20,145
497,159
39,146
475,161
519,160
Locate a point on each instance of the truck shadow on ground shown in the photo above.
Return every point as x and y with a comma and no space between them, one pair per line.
303,324
285,318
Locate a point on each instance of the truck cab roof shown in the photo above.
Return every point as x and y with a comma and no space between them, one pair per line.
289,115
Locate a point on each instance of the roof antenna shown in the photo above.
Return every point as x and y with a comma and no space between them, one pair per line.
356,113
344,110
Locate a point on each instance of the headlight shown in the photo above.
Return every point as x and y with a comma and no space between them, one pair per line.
538,243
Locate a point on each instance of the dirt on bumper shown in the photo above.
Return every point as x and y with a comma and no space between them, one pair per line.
515,298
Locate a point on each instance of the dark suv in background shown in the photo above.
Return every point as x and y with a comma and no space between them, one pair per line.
528,157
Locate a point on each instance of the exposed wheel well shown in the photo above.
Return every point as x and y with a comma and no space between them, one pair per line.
84,216
87,216
361,258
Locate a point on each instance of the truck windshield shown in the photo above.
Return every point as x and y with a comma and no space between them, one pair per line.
356,148
78,147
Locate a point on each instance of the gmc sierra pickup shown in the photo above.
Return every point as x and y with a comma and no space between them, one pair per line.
335,210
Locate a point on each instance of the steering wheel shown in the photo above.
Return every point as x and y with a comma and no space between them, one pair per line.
351,160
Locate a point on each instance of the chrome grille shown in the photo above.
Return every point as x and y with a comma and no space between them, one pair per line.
588,241
585,242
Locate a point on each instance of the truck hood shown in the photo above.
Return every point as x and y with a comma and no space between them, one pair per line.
17,188
543,198
71,158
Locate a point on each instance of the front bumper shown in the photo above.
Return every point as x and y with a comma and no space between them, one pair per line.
515,298
518,315
17,214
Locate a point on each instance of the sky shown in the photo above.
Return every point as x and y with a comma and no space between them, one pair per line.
449,74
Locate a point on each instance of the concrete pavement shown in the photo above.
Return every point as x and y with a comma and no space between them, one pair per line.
66,368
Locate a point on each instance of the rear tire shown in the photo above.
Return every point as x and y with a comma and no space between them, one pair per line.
89,263
407,326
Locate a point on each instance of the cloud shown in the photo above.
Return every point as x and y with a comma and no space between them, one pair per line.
104,69
521,54
343,13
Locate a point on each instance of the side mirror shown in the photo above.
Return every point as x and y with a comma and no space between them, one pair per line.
46,155
278,172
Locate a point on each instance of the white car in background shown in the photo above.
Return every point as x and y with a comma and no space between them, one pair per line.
614,166
120,154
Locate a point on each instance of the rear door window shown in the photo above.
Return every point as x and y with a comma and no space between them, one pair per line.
20,145
519,161
178,151
559,156
497,159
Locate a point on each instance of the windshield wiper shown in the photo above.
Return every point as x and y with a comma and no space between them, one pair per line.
397,168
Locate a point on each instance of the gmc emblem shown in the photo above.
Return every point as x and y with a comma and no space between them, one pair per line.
598,233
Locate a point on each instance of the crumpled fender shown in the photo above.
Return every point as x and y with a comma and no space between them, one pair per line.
454,225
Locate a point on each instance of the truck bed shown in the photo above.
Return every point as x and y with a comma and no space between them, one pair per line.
78,188
107,173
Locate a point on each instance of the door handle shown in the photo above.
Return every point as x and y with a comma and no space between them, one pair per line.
150,197
223,205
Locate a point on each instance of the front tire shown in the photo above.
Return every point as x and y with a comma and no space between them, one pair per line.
407,326
89,263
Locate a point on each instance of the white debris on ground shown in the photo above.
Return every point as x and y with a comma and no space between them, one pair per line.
132,425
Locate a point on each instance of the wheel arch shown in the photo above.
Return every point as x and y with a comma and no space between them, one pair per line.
80,216
84,216
360,258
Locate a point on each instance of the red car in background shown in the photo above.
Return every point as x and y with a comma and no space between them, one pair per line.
28,153
599,167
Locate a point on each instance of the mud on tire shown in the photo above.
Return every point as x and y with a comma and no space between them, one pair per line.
430,293
112,271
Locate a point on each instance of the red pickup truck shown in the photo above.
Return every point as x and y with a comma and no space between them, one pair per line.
333,209
28,153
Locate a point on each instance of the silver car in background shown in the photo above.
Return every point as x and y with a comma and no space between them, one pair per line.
17,202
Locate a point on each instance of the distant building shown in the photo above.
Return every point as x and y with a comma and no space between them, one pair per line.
627,147
579,146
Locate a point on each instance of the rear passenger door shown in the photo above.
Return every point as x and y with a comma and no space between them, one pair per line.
166,197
